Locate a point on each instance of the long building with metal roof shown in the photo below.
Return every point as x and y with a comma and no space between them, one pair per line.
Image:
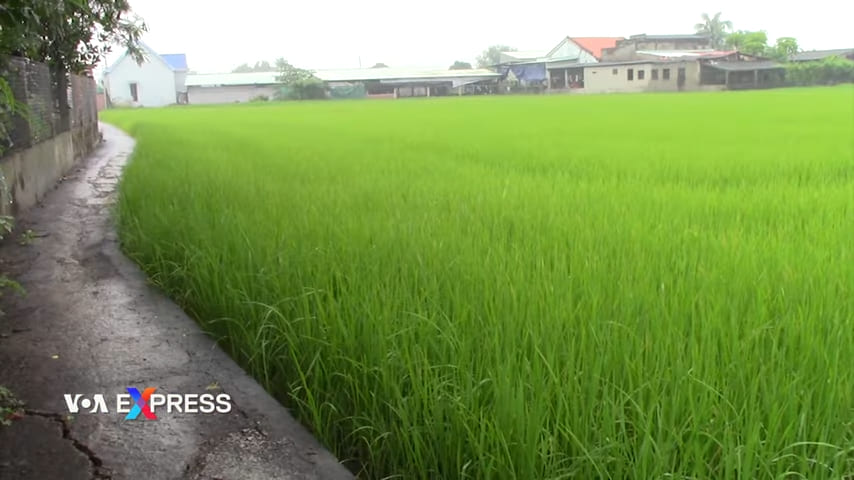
396,82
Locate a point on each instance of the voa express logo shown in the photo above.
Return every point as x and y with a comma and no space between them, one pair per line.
147,404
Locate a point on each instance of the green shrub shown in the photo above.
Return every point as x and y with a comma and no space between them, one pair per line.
828,71
303,89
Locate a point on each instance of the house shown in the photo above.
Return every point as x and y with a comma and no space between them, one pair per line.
642,76
159,80
627,49
558,68
816,55
386,82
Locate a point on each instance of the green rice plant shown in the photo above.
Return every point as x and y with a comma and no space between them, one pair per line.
627,286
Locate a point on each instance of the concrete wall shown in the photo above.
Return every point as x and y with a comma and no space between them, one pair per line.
614,78
156,83
228,94
180,81
31,173
626,50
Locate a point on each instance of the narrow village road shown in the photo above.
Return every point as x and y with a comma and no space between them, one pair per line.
89,324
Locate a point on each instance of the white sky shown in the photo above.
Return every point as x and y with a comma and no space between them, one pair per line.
217,36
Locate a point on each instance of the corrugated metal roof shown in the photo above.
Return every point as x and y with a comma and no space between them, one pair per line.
631,62
820,54
526,54
685,53
364,74
746,66
174,60
350,75
689,36
251,78
178,61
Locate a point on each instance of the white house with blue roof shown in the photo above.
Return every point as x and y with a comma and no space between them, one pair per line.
160,80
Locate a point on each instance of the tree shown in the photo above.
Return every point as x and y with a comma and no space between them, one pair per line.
298,83
784,49
70,36
380,65
715,28
751,43
492,55
262,66
458,65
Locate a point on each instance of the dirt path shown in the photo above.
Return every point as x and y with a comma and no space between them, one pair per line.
91,324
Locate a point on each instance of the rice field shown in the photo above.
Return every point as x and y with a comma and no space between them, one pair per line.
622,286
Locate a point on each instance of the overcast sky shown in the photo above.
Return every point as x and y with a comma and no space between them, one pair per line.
217,36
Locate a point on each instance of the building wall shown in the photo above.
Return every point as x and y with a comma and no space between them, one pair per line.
228,94
626,50
602,79
155,83
181,81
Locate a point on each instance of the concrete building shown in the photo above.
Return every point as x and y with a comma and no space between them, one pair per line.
627,49
689,72
158,81
642,76
556,69
231,87
377,82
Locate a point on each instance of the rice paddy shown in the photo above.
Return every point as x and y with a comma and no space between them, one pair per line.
618,286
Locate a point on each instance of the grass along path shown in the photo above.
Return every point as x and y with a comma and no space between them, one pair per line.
624,286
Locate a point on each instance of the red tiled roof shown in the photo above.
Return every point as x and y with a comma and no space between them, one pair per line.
594,45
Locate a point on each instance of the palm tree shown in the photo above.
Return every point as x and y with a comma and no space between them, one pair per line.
715,28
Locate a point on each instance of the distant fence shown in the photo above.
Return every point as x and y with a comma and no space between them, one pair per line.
41,118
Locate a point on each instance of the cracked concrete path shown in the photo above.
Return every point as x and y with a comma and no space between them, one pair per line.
89,324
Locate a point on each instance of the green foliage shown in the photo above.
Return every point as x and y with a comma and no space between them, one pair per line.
458,65
260,98
787,46
70,35
298,83
7,283
751,43
784,48
715,28
492,55
829,71
10,406
357,90
7,225
441,293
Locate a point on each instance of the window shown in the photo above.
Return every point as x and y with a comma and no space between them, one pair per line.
134,93
641,74
630,74
665,74
655,74
614,71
